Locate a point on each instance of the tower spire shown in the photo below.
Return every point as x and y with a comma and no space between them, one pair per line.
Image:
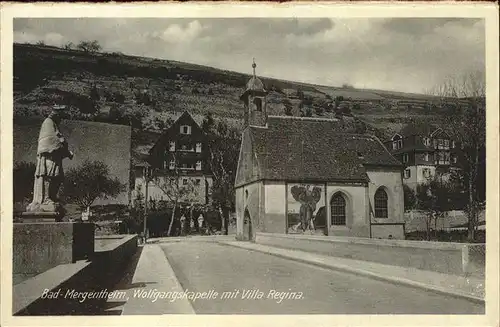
253,66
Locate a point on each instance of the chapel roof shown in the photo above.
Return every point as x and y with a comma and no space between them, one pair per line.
314,150
255,84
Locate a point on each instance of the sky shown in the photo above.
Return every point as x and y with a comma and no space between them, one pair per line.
398,54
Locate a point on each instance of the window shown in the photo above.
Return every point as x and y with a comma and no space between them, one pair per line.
197,181
258,104
455,159
171,166
172,146
381,204
338,205
426,172
405,157
446,144
185,129
198,165
427,141
453,144
396,145
407,173
442,158
198,147
184,181
426,156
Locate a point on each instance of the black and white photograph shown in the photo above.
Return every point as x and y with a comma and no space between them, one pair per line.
280,165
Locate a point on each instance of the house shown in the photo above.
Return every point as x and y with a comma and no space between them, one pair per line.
305,175
179,154
425,152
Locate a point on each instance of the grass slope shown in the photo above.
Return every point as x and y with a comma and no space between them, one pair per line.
44,74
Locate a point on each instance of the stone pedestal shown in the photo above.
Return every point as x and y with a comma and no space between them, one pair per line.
39,246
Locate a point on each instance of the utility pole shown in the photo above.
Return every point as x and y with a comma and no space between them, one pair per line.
146,179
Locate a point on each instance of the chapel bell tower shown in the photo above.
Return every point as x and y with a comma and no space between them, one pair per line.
254,99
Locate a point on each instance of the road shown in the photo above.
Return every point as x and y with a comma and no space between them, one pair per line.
205,266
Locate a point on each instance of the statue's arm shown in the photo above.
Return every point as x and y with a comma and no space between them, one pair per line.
66,153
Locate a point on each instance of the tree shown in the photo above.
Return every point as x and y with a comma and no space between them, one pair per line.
410,199
40,43
319,110
175,188
94,93
23,180
300,94
89,181
468,128
433,198
223,152
288,107
69,46
338,100
89,46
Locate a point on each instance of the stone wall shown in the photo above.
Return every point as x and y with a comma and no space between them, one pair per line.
38,247
449,258
106,268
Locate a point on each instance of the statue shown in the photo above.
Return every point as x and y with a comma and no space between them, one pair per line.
49,174
308,199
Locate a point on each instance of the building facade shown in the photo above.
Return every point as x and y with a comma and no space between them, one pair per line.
178,159
304,175
425,152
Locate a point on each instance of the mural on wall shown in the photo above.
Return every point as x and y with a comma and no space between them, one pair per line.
306,208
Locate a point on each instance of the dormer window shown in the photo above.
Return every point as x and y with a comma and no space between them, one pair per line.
186,129
198,147
172,146
396,145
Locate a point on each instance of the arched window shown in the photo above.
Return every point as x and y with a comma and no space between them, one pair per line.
258,104
381,204
338,209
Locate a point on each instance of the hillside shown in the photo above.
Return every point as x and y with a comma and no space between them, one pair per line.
150,93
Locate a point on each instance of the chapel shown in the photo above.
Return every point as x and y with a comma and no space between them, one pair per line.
306,175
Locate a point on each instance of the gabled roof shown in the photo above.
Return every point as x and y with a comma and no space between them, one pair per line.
422,129
185,118
310,149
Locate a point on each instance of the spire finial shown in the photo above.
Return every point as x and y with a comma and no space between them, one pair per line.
253,66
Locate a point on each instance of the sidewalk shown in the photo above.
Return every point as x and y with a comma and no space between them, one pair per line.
154,274
155,240
465,287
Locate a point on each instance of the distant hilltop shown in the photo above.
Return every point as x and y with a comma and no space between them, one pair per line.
150,93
